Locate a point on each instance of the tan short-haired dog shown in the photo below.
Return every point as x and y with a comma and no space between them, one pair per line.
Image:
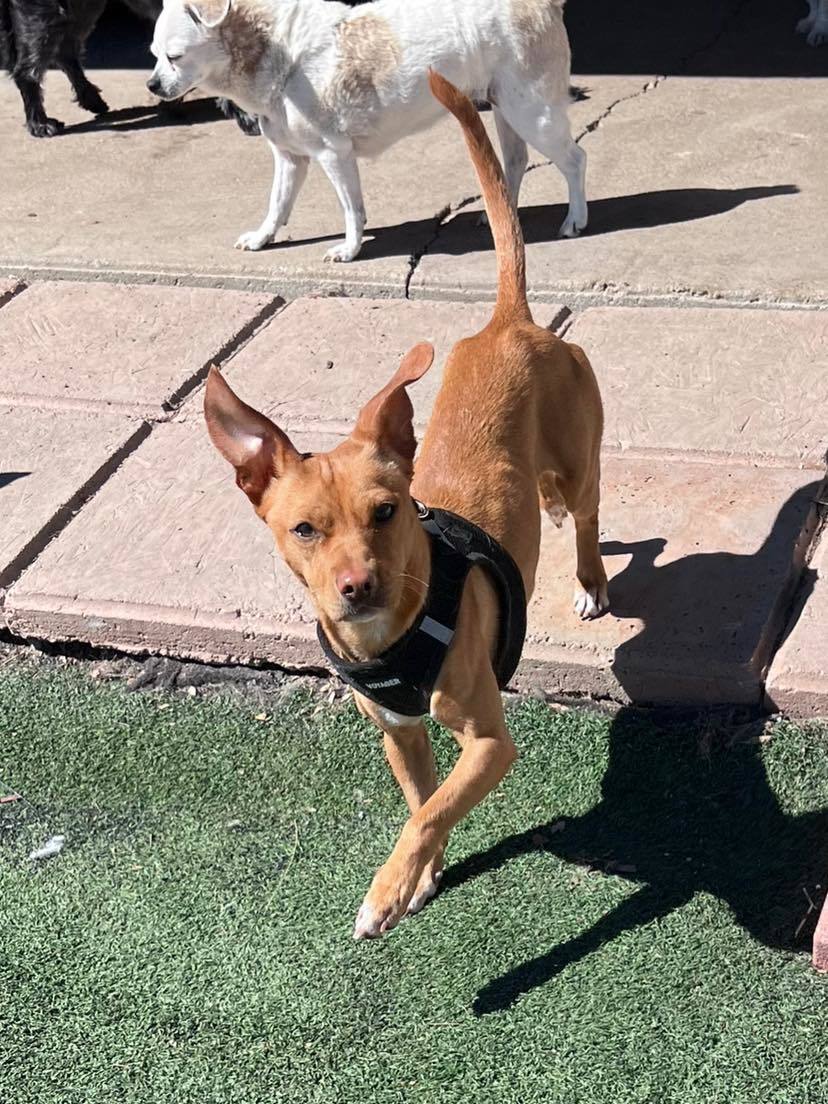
518,418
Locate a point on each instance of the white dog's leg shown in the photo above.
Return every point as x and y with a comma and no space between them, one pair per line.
514,154
343,172
289,174
547,129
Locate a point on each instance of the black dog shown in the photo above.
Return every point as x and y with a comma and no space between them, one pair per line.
35,34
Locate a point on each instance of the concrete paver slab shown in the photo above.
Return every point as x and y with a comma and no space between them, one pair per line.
48,461
201,579
169,201
702,560
133,349
721,381
798,677
698,188
702,567
321,359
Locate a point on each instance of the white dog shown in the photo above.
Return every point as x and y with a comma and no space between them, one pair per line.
336,83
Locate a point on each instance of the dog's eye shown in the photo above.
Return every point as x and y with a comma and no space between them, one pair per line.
304,531
173,58
384,512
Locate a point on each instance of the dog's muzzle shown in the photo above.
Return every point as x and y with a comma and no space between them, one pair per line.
154,85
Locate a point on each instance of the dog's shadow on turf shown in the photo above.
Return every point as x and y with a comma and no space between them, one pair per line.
684,808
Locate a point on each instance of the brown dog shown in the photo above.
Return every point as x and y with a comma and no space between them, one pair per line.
518,418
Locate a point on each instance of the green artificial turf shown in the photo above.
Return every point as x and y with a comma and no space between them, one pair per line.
618,923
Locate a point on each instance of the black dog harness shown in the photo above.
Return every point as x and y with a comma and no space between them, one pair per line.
402,678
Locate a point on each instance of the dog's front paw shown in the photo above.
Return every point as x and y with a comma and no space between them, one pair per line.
90,99
342,252
45,128
253,241
591,602
386,901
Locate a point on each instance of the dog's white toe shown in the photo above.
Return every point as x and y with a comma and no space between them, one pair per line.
424,894
341,253
252,241
590,603
370,923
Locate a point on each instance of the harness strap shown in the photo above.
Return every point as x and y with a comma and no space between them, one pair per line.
403,677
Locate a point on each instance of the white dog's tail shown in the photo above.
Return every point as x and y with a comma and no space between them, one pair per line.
503,217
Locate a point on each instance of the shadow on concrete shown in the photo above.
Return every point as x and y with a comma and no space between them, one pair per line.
686,806
463,234
11,477
188,113
750,38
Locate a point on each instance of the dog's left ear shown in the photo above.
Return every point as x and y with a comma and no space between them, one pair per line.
202,20
387,419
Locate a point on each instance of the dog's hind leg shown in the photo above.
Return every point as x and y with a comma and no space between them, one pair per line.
581,499
86,93
514,154
289,174
547,129
343,172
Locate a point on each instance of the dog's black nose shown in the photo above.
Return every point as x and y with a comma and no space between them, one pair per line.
154,85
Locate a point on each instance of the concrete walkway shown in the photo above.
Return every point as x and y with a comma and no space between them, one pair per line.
699,295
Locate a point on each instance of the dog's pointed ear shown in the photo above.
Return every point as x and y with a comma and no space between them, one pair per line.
257,449
201,20
387,419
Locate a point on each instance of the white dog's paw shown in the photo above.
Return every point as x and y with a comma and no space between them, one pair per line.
426,889
571,226
342,253
817,36
253,241
590,603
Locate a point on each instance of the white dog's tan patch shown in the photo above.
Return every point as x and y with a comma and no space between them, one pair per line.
246,34
540,36
368,55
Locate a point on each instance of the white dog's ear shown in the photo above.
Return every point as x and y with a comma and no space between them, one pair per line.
257,449
387,419
201,20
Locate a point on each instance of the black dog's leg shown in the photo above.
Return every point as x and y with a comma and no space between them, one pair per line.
86,93
38,123
248,123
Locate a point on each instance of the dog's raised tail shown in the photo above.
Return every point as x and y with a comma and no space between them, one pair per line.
503,217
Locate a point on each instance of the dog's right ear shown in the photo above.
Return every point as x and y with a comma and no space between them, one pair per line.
257,449
201,20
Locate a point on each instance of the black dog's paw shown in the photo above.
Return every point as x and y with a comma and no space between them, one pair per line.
91,100
44,128
248,123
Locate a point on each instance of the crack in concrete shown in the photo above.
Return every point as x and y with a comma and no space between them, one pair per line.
447,214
